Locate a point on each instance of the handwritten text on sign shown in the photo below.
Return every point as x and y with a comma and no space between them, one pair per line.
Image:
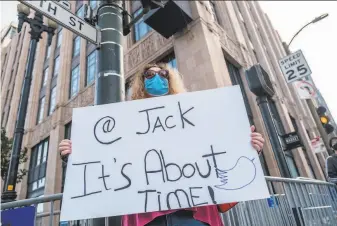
171,152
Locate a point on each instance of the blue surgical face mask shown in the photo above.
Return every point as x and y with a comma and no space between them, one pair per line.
157,85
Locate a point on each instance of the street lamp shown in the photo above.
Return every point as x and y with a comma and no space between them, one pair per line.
37,27
321,17
310,103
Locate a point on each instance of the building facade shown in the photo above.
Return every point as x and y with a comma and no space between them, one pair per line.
223,41
7,34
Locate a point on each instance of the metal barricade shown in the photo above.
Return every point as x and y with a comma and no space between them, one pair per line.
293,202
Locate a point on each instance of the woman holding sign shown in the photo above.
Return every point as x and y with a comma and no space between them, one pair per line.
153,81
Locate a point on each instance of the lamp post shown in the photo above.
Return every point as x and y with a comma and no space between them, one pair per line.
319,18
37,27
309,101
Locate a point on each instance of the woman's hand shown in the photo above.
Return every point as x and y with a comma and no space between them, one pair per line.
65,148
257,140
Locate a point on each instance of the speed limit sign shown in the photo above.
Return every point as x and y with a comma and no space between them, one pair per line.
294,67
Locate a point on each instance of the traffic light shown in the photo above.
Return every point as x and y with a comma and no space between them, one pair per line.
169,18
152,4
321,111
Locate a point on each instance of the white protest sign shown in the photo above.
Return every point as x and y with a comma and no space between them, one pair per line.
171,152
294,66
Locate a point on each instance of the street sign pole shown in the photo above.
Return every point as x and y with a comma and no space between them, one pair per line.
37,28
314,114
110,76
262,102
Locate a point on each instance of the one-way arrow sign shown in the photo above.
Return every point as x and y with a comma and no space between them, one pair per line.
65,18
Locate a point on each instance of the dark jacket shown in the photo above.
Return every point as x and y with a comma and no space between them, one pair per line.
331,165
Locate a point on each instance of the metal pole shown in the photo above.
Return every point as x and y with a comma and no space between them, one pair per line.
273,135
110,77
313,112
10,194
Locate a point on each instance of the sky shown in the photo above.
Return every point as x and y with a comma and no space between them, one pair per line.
318,41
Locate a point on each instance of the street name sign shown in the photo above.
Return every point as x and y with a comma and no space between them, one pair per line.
55,12
292,140
64,4
294,67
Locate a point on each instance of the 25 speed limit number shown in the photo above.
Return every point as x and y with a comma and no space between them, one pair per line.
294,67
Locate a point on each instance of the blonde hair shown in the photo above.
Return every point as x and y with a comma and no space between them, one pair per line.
175,82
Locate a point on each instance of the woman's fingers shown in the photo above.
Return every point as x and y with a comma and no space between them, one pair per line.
65,142
65,147
66,152
257,143
252,128
254,134
258,138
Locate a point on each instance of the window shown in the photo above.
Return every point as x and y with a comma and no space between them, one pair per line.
67,135
39,207
37,169
76,46
4,61
293,121
11,77
214,12
141,29
40,110
2,118
80,12
91,67
291,164
93,4
170,59
56,66
173,63
7,96
74,81
48,52
52,102
67,131
9,111
45,77
59,39
236,79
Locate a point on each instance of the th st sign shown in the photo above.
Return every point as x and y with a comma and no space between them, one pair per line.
55,12
294,67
